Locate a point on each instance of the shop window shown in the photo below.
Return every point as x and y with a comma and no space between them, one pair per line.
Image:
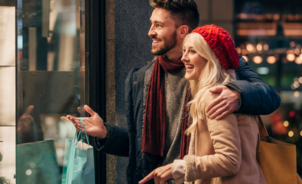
50,81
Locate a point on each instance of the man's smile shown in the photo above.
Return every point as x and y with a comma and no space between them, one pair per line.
155,42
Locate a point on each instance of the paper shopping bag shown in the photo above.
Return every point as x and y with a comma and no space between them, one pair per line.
80,161
277,159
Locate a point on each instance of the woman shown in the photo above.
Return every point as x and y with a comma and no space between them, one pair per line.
220,151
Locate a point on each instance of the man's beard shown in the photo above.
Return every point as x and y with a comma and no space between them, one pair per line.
169,44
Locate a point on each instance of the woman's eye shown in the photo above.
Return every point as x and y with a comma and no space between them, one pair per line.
184,51
192,51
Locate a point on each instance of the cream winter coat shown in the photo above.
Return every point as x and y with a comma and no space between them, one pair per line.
221,151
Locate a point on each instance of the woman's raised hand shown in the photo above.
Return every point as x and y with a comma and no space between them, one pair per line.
94,125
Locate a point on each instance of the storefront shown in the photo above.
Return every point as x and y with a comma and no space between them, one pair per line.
59,66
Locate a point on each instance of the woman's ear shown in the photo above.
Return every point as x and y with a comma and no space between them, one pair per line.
183,31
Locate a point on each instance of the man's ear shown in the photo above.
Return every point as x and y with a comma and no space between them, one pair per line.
183,31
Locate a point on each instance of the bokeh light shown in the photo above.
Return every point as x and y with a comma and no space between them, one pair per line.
246,58
286,123
271,59
290,133
257,59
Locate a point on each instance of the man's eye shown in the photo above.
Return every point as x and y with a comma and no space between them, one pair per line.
157,25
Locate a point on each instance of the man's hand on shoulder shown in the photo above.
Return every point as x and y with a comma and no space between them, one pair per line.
226,103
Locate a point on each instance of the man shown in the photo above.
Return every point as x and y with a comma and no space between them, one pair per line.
156,97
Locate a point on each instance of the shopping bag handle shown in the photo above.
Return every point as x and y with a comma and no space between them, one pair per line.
78,135
80,132
262,129
82,122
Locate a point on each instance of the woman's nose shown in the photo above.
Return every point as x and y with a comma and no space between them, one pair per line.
184,58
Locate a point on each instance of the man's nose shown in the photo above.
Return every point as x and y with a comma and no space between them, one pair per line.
151,32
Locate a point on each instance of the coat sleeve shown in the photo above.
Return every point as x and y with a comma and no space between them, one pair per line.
117,141
226,159
257,97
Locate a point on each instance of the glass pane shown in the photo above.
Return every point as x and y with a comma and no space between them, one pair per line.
50,84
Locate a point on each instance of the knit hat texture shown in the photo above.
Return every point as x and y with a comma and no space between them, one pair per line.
221,44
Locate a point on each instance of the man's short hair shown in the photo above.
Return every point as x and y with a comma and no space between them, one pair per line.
185,12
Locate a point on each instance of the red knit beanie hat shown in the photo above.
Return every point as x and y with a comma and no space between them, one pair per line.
221,44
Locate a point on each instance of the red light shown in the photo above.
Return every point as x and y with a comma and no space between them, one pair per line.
292,114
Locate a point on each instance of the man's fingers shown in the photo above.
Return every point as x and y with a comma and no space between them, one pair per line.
225,113
78,127
147,178
214,106
70,117
73,119
63,118
29,109
79,109
217,89
217,113
89,110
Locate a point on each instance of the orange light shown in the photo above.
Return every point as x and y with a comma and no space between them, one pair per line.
259,47
296,94
271,59
297,51
257,59
290,133
246,58
238,50
265,47
300,80
290,57
250,47
298,60
286,123
244,52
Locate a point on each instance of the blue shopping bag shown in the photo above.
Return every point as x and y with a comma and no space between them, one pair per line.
79,168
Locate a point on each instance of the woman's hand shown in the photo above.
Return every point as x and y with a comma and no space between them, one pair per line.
94,125
160,175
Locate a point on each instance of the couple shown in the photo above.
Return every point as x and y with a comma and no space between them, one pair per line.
203,142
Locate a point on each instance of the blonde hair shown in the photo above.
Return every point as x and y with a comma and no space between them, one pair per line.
213,74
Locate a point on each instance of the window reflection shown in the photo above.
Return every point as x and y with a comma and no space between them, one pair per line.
50,79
